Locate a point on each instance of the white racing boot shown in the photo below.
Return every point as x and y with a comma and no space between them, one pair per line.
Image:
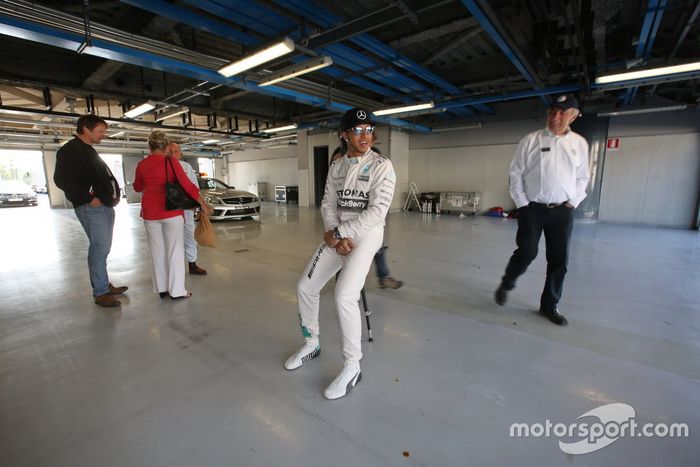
344,382
310,349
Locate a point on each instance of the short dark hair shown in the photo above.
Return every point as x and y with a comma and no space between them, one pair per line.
337,153
90,121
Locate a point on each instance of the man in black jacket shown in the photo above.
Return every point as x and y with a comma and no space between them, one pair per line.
90,186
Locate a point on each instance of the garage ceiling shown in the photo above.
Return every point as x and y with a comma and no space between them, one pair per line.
477,60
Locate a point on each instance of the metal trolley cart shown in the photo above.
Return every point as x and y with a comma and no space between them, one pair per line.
467,202
287,194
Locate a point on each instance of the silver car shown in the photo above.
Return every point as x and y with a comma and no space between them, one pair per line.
16,193
226,201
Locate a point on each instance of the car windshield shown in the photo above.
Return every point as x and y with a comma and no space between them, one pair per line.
13,186
212,184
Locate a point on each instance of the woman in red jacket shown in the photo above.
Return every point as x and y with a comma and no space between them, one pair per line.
164,228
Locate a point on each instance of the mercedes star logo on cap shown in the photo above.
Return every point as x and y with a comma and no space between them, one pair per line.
361,114
561,98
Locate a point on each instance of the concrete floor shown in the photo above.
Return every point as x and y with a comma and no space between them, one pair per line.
200,382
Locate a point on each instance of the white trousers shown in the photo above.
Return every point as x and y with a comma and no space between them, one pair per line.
167,255
323,265
190,244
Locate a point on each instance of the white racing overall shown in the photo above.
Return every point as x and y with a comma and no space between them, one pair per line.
358,195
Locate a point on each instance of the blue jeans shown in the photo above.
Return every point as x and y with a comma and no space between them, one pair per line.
380,262
98,224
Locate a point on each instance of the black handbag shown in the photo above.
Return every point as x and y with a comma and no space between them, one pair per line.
175,196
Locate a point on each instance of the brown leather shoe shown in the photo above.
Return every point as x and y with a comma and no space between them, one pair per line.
107,301
117,290
390,282
194,269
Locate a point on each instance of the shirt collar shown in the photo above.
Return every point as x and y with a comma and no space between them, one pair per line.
548,132
358,159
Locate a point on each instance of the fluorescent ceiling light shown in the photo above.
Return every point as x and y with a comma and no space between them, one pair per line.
456,128
293,126
650,73
648,110
278,146
171,113
258,58
406,108
140,110
296,70
293,135
415,113
210,141
117,134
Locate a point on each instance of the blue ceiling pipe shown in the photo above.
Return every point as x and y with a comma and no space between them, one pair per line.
248,13
175,13
275,25
326,19
552,90
491,30
512,96
650,27
70,41
190,18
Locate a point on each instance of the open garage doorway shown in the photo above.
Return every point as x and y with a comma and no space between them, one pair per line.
115,164
22,178
206,166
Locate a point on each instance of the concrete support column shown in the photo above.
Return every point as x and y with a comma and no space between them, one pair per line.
398,152
304,176
57,198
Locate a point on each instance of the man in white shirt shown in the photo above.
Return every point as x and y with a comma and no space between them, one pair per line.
190,243
548,179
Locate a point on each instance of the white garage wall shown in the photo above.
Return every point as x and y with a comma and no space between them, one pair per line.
469,160
265,168
654,177
272,172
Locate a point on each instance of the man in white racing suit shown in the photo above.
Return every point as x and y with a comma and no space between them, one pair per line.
359,190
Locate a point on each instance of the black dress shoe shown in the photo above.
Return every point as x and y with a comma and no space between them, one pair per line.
554,316
163,294
501,295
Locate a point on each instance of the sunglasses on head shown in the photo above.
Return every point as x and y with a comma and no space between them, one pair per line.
359,130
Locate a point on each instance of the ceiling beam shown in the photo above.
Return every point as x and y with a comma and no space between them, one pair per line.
22,94
692,17
376,19
125,51
493,27
483,13
433,33
451,45
647,36
437,86
119,121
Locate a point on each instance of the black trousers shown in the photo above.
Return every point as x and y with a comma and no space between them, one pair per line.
557,224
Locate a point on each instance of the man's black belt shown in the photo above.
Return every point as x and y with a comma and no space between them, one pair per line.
547,205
